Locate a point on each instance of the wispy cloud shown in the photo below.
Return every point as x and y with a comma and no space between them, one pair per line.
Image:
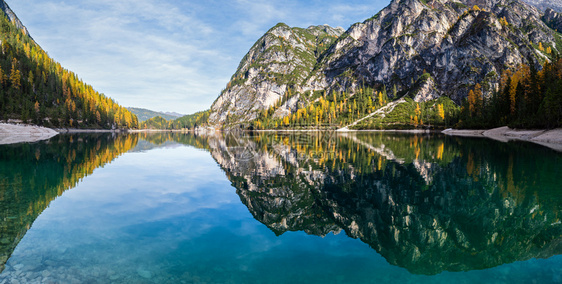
168,55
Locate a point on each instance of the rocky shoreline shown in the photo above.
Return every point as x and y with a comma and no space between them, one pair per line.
23,133
549,138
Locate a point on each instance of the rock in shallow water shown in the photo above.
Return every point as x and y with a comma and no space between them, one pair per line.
144,273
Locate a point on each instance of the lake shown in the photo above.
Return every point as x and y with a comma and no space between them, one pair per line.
279,208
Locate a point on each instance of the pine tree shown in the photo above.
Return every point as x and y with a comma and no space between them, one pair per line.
478,98
472,103
2,77
15,75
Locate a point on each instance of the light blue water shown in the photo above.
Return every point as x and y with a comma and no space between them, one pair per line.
170,215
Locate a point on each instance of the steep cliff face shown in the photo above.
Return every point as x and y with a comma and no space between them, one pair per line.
553,19
283,57
459,43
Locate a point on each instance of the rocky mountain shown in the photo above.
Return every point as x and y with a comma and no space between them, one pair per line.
553,19
458,43
281,59
546,4
423,203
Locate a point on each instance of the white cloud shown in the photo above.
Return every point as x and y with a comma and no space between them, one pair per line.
167,55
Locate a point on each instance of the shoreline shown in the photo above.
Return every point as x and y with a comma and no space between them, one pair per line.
548,138
24,133
76,130
413,131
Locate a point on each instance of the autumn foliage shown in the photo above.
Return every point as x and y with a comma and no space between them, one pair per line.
35,88
527,98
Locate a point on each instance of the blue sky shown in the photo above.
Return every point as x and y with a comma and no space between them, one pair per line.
168,55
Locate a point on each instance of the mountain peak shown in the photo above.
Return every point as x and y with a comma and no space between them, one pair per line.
281,59
459,43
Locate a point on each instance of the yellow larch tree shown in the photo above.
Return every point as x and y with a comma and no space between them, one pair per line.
441,111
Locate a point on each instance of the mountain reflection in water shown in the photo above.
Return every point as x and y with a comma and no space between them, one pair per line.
425,203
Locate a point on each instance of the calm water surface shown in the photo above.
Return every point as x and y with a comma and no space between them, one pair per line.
279,208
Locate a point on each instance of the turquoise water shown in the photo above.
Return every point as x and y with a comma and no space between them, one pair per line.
279,209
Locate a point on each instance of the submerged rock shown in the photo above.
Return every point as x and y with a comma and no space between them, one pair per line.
144,273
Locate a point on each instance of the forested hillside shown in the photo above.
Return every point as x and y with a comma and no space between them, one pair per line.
527,98
367,108
185,122
36,89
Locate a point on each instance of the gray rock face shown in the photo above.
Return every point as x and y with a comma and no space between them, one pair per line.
553,19
457,43
283,57
12,16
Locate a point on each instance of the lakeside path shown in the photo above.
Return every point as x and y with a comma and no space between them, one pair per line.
20,133
549,138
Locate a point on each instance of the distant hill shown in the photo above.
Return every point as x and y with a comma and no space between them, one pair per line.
545,4
146,114
189,121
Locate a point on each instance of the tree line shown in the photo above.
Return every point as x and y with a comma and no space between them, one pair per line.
334,109
527,98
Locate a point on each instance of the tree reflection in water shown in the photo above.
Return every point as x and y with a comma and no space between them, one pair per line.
425,203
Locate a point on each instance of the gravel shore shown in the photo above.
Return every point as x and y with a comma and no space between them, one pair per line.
549,138
21,133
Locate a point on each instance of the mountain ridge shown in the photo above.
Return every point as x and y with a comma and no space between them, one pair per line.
456,43
281,58
146,114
